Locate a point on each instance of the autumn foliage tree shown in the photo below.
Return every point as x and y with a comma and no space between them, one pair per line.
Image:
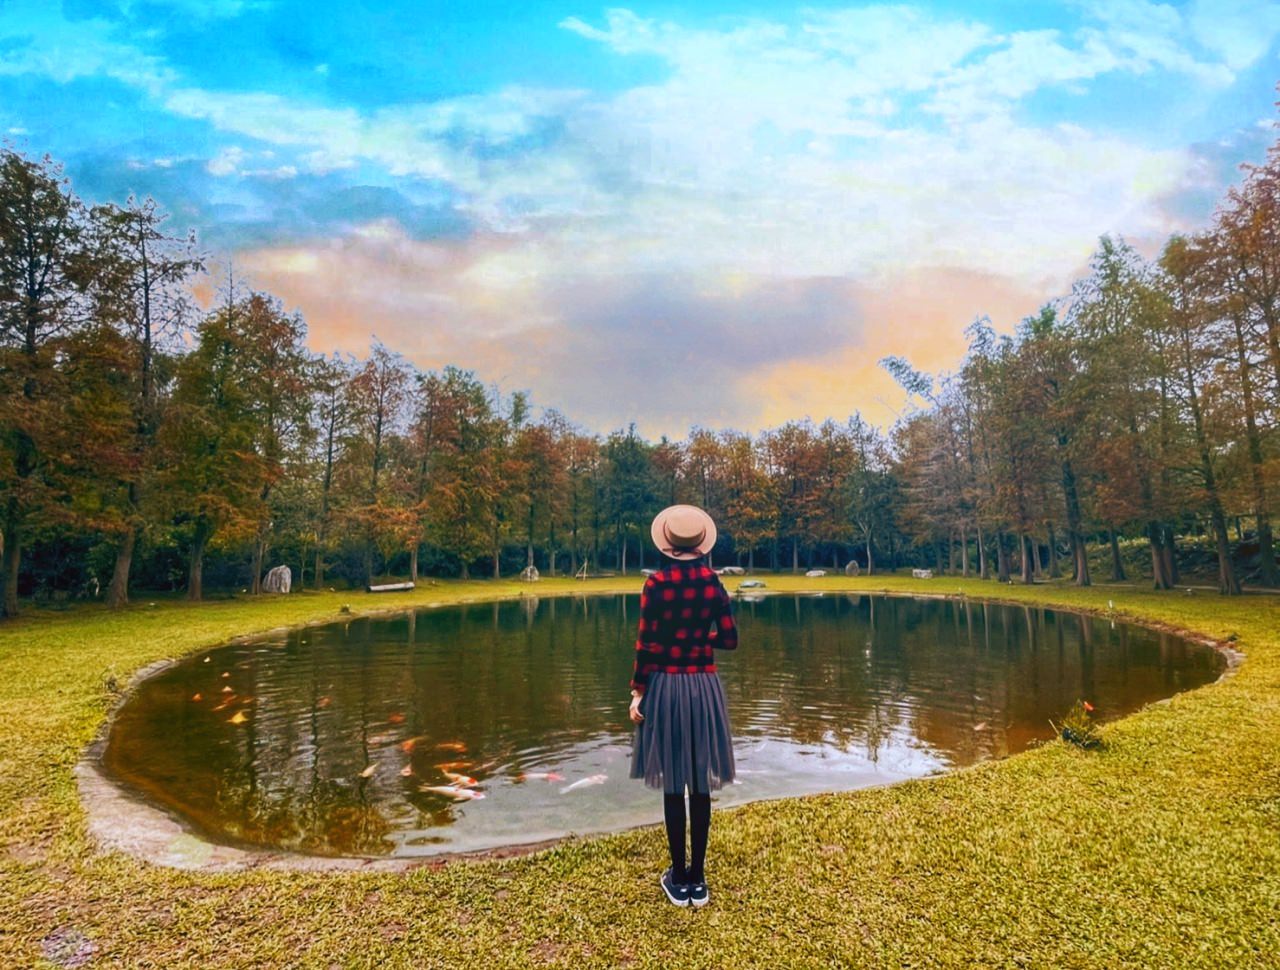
42,273
1128,427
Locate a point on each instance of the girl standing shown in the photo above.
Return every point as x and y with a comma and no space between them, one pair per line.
682,738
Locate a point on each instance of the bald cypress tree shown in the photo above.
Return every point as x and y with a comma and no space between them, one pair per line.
42,273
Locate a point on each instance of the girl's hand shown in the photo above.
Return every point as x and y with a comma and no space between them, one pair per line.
636,716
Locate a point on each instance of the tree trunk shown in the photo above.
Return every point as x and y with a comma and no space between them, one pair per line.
795,555
1160,577
413,562
964,549
1078,552
1170,552
118,591
1117,565
319,567
195,575
983,571
1054,572
751,560
1228,584
12,561
259,557
622,555
1002,558
1026,551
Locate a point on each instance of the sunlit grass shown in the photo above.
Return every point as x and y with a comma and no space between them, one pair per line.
1159,850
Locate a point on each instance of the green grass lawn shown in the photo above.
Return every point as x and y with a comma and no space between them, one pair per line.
1161,850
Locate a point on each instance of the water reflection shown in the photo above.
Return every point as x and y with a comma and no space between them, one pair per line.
342,739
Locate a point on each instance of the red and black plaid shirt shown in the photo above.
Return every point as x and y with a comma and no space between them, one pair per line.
685,613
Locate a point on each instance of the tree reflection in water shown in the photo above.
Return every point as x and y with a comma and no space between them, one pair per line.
343,730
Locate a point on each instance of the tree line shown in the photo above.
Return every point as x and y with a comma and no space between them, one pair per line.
149,440
1144,404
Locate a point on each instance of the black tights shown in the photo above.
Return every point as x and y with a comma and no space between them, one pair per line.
700,826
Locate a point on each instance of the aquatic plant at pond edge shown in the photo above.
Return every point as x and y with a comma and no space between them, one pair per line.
1078,728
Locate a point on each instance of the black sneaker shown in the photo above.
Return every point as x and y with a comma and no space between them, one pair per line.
677,892
698,893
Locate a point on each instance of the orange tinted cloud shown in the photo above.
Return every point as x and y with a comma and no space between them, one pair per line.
667,353
920,315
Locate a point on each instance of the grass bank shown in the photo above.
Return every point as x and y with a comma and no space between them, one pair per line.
1162,850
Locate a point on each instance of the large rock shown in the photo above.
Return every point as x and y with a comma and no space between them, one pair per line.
815,573
278,580
852,568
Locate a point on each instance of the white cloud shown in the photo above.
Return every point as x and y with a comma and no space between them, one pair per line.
43,43
1238,31
226,162
780,149
855,144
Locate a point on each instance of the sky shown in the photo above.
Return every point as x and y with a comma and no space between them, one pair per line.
672,215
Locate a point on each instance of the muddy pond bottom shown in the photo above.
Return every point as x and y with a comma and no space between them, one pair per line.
478,726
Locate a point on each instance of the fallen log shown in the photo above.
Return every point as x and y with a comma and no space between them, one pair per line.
391,588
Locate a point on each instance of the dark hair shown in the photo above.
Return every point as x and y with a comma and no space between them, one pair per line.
669,560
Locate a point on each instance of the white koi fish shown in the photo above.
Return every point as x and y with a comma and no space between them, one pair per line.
461,794
584,783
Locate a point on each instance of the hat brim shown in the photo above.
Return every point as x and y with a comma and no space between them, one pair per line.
659,540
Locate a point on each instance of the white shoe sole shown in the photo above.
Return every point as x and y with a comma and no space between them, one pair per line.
699,903
675,901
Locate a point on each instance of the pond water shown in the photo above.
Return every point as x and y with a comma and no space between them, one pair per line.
330,740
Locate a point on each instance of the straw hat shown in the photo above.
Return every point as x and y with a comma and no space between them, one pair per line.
683,532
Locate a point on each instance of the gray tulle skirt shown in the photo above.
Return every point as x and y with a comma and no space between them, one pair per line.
684,739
